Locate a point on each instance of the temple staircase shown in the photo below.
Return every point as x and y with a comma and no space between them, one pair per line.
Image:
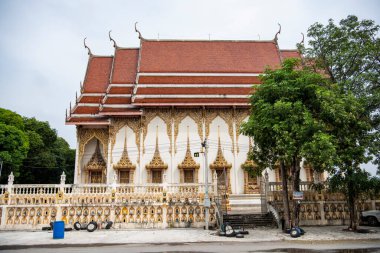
245,204
246,210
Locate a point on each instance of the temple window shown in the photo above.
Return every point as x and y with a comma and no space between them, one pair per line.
124,176
156,176
189,176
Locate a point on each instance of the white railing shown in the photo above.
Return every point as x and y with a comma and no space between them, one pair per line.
277,186
98,189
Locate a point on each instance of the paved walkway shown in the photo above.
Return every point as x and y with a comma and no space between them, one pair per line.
110,237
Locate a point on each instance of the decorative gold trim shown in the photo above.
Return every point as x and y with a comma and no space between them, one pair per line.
220,162
181,114
188,162
165,115
96,162
156,162
124,162
240,115
119,123
84,135
226,115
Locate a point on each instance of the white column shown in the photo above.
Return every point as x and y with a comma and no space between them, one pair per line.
236,189
77,165
141,167
171,169
204,136
109,171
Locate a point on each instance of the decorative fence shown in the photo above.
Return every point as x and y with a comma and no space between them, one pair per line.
127,205
319,208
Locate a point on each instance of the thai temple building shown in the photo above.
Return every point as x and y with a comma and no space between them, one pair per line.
143,112
141,119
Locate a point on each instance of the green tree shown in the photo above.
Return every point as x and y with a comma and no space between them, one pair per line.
350,55
286,124
14,143
33,151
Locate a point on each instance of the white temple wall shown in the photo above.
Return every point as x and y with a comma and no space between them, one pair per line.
241,157
131,148
149,144
226,144
89,150
181,145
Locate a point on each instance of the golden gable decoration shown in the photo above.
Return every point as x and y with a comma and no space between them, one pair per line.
124,162
188,163
157,162
220,162
96,162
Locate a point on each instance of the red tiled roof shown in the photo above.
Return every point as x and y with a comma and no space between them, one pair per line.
195,90
290,54
199,79
90,99
98,74
208,56
125,65
216,65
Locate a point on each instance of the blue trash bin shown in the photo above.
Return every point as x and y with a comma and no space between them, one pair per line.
58,230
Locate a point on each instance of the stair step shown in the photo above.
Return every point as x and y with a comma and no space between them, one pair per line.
249,220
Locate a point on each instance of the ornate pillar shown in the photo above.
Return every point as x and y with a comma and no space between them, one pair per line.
204,134
234,143
77,164
140,166
109,169
172,151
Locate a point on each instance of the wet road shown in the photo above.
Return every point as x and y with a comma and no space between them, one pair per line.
230,247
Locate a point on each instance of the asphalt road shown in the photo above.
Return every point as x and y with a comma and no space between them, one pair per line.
230,247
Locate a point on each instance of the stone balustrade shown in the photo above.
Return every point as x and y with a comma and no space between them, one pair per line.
128,205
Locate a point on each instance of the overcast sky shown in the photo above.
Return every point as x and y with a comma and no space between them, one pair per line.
42,59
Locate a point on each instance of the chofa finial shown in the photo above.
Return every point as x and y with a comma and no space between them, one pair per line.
136,30
111,39
279,31
85,46
303,39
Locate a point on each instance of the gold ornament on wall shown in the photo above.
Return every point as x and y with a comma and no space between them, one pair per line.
124,162
165,115
181,114
156,162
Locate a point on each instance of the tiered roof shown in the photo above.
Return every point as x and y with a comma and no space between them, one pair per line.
166,73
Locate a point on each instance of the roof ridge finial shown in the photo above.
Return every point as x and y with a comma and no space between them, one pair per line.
303,39
111,39
85,46
81,86
136,30
279,31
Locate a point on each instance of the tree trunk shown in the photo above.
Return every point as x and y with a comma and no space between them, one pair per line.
296,187
351,201
285,197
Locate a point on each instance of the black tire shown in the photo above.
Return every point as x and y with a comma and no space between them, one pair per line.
230,232
77,226
294,233
239,235
109,225
372,221
92,226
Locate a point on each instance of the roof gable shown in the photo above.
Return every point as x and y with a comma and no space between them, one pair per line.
208,56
